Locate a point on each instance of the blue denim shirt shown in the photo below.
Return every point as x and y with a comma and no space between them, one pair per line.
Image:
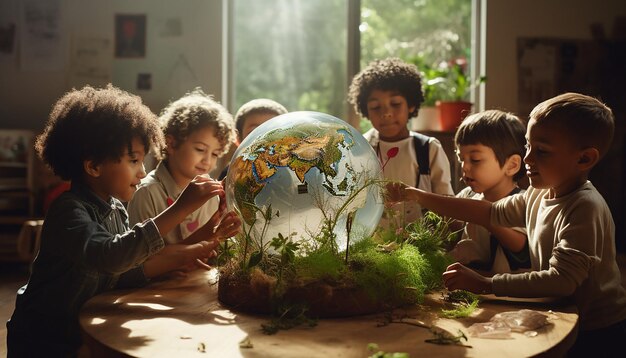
86,248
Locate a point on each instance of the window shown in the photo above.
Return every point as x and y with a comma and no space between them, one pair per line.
291,51
296,51
433,30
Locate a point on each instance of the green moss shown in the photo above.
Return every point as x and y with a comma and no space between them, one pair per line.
319,265
394,277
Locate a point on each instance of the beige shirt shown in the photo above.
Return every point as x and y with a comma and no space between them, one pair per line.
404,168
572,249
155,193
475,244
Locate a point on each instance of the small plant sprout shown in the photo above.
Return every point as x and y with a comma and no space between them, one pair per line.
286,249
349,220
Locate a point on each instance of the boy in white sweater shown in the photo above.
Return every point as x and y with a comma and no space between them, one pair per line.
571,232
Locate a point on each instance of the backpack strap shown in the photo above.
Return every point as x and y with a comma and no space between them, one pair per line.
420,142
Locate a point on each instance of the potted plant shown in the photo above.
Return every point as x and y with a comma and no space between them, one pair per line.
453,89
428,114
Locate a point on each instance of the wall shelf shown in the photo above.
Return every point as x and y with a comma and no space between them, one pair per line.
17,192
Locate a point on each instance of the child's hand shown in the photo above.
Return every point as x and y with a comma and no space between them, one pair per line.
459,277
395,192
226,225
179,258
198,191
191,257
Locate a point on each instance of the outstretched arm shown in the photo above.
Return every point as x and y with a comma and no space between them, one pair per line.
476,211
197,192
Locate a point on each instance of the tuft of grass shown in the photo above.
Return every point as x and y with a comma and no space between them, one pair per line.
464,303
394,277
460,310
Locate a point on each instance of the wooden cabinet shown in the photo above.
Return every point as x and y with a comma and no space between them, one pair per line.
16,188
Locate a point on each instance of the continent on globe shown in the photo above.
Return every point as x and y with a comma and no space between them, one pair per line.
298,149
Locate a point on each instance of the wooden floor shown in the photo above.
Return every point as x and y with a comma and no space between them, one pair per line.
14,276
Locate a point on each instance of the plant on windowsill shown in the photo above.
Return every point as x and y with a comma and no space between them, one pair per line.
453,89
428,115
446,90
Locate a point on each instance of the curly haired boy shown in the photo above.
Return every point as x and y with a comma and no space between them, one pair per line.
389,92
97,139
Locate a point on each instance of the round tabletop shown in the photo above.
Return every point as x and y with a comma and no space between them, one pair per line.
182,317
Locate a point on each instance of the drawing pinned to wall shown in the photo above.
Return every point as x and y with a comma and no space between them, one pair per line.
171,27
90,62
130,36
42,44
144,81
8,21
182,77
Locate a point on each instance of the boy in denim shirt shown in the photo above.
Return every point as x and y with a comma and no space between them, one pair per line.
97,139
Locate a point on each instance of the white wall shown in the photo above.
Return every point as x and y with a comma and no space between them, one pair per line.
507,20
27,96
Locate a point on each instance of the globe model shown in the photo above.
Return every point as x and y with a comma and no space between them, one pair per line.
301,171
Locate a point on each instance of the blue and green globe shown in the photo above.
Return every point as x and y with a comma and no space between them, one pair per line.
299,170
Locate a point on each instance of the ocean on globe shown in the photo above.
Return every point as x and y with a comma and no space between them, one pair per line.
308,167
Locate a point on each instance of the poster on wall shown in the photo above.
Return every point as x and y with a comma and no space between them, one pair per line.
90,62
549,66
42,45
130,36
8,25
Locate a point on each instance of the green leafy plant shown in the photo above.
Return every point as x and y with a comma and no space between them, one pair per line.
286,249
456,84
445,81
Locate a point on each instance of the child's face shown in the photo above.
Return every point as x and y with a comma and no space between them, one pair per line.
482,171
194,156
254,120
389,114
552,158
119,178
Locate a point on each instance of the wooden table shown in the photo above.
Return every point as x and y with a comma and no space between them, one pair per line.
181,317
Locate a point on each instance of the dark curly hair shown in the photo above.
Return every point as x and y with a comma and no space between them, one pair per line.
95,124
193,111
390,74
503,132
